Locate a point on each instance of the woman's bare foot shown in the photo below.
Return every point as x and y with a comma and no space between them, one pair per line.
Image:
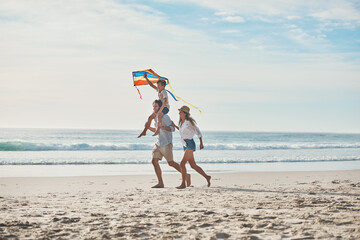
188,180
158,186
182,186
208,180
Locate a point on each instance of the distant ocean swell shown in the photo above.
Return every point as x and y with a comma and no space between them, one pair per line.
28,146
98,162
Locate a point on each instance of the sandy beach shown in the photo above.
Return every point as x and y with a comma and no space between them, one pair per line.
275,205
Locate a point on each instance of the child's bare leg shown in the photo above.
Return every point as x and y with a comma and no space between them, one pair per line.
159,124
147,125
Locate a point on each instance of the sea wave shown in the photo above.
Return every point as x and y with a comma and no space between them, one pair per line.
280,146
30,146
202,161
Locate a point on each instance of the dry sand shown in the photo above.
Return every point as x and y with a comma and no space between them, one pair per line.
293,205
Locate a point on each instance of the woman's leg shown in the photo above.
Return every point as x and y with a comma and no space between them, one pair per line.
147,125
186,157
199,169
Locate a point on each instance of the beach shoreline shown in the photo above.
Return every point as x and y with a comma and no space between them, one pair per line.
73,170
265,205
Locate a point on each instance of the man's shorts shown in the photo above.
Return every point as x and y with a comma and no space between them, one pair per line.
163,151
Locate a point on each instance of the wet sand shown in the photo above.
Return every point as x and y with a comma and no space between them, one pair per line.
276,205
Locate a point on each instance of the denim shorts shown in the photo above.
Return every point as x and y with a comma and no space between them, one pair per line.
190,145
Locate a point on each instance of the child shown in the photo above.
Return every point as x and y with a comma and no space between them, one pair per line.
163,97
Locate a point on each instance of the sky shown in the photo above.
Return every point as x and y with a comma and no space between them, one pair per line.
249,65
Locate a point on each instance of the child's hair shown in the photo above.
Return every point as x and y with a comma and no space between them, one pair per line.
158,102
162,82
187,117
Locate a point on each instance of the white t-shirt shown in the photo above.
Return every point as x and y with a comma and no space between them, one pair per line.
162,95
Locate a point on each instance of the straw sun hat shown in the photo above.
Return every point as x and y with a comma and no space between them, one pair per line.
185,109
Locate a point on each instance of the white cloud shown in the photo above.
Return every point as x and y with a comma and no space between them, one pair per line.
230,31
259,47
313,42
344,11
230,17
292,17
223,13
233,19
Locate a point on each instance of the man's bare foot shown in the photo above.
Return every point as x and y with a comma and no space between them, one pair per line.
182,186
158,186
208,180
188,180
143,133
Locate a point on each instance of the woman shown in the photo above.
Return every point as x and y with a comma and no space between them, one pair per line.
188,129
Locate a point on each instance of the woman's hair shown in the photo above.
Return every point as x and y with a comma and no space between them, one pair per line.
187,117
158,102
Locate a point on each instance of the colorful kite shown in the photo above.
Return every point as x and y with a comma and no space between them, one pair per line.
139,79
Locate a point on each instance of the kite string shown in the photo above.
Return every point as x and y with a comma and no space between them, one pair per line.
172,90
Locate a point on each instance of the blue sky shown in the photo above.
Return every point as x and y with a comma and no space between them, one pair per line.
249,65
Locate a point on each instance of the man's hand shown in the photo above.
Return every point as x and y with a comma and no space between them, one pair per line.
201,146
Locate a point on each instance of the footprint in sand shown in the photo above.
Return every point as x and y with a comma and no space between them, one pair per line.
205,225
222,235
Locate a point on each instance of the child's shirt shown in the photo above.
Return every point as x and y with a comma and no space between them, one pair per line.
162,95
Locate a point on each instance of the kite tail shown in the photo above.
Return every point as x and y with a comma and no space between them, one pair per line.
138,92
177,97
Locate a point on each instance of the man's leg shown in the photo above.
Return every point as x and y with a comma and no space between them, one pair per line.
155,162
167,152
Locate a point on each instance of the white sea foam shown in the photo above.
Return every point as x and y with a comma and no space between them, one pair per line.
146,161
30,146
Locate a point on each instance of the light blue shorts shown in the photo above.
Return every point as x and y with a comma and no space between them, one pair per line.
190,145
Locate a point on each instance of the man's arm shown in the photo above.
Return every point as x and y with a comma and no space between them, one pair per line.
169,129
167,124
150,83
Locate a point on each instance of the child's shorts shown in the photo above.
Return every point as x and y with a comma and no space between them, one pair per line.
165,110
190,145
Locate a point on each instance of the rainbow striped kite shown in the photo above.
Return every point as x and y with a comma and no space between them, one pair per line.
139,79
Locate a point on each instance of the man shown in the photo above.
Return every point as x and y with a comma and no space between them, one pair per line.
163,147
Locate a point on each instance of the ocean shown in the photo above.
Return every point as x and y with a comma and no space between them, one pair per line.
79,152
